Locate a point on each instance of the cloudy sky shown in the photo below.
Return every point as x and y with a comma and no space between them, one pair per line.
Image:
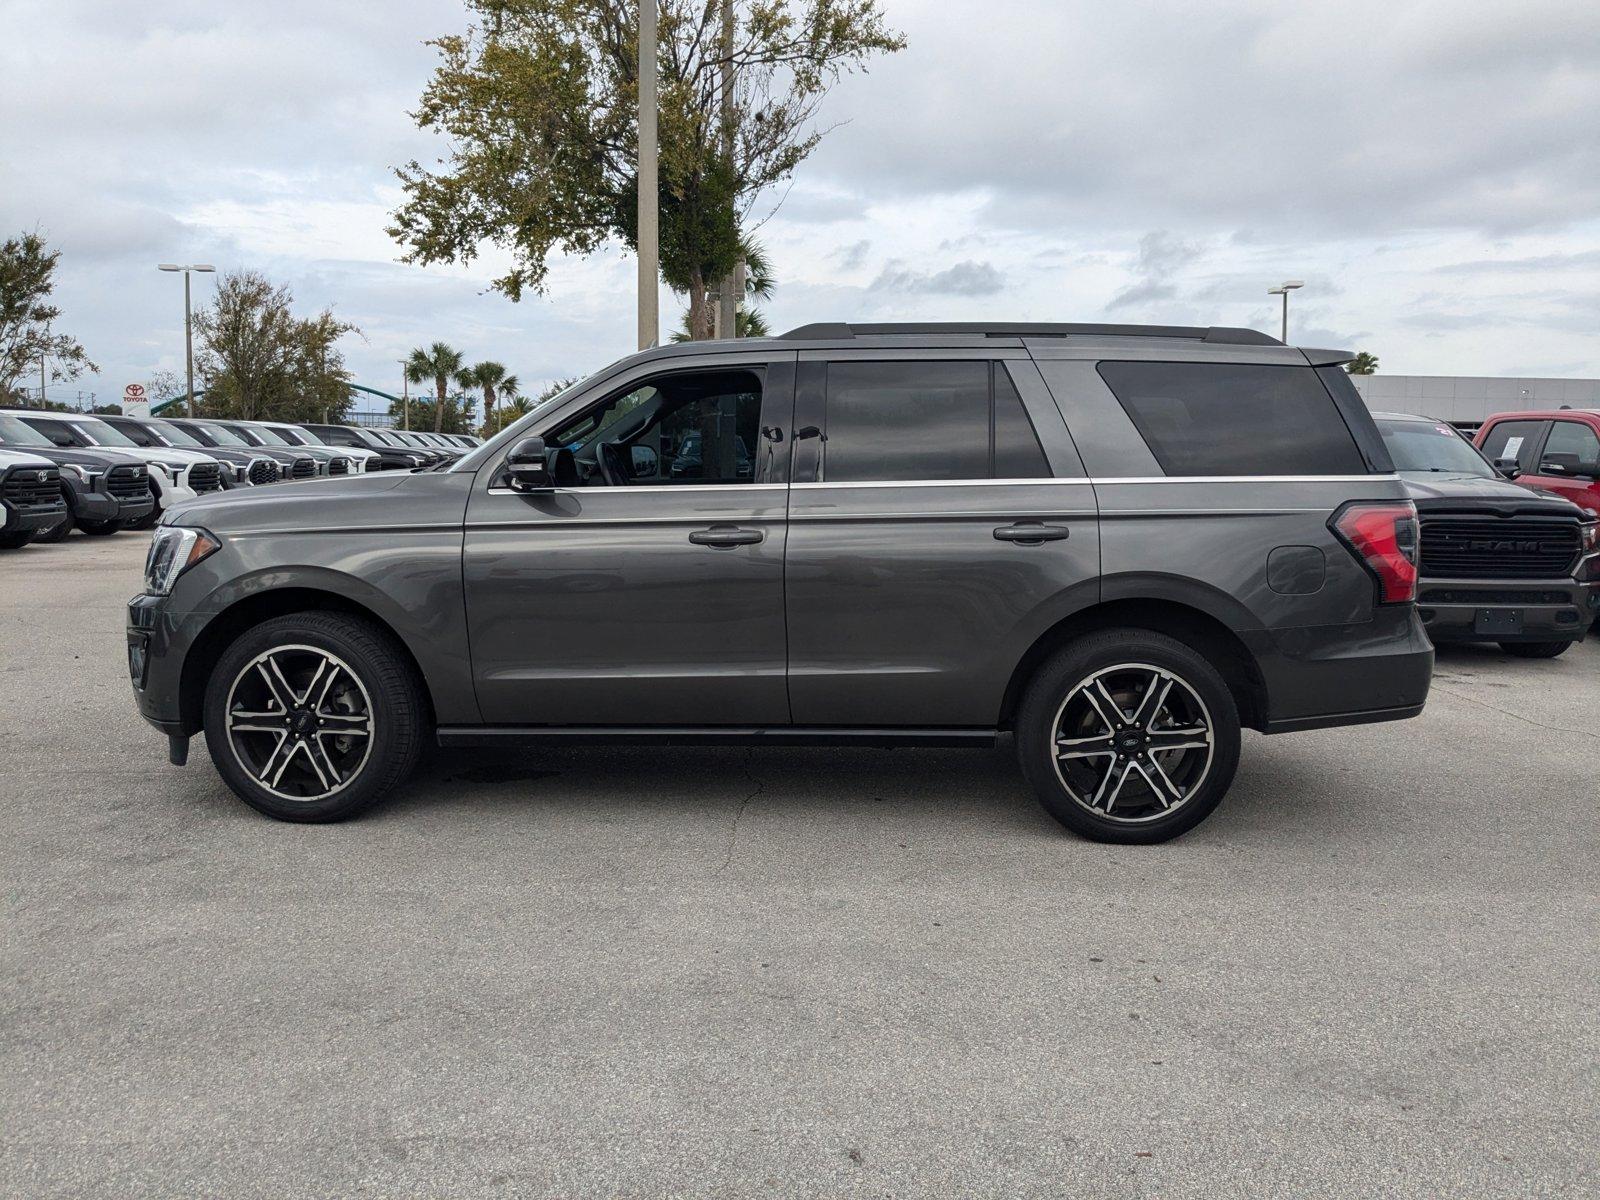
1430,169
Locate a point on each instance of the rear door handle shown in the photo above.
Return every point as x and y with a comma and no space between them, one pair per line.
1031,533
725,537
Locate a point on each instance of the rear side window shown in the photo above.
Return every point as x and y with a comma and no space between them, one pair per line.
1574,446
1513,439
1235,418
927,420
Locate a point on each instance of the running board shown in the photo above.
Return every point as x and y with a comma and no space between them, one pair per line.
709,735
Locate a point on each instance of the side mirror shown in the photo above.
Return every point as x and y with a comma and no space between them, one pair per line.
645,464
1507,467
529,467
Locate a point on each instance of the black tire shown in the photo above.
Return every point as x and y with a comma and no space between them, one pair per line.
381,681
1201,765
1535,649
148,521
99,528
59,532
16,540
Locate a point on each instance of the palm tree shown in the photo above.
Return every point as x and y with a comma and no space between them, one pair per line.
759,284
438,363
1363,364
492,378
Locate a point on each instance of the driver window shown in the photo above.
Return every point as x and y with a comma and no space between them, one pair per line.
694,427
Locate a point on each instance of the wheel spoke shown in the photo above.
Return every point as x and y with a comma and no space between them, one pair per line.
1154,698
278,761
1104,706
255,722
317,755
1194,738
322,669
1160,784
272,674
1108,792
344,724
1085,747
317,697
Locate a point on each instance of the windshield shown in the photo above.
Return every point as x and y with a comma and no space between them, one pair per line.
292,437
102,434
173,436
19,433
221,436
270,436
311,438
1432,447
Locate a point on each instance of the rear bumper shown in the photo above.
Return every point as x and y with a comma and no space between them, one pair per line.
1326,675
1548,611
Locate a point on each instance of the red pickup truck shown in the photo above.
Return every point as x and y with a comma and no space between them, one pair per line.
1555,451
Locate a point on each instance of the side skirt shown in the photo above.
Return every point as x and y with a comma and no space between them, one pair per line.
713,735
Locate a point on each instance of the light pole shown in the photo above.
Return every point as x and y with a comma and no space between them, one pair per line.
1283,289
649,199
405,392
188,321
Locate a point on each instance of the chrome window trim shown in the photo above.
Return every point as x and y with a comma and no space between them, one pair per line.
498,490
931,483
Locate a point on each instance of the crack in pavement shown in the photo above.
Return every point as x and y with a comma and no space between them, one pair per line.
1506,712
733,831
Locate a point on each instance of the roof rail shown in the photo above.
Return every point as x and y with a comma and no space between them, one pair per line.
839,330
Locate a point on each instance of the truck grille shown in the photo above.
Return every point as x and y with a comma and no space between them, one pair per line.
304,468
1497,547
262,471
128,483
33,488
339,466
205,477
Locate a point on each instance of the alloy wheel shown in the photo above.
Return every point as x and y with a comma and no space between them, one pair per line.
300,722
1133,742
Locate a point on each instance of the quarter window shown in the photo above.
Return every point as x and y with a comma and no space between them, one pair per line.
1235,418
891,421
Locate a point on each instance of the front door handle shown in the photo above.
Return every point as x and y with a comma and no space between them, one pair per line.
725,537
1031,533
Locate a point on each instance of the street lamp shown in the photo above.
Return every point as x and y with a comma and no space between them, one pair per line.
405,391
1283,289
188,320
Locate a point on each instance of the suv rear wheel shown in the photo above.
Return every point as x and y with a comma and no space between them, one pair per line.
1128,736
313,716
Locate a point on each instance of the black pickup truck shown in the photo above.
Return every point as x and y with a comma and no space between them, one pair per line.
102,493
1499,562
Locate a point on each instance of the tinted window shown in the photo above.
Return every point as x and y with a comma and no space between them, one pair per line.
690,427
1574,446
1235,419
58,433
1513,439
927,420
1017,454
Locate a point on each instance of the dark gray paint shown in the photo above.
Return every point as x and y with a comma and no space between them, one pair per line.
871,610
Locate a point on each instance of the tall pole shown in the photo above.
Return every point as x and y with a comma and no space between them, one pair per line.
188,342
728,326
405,394
1284,337
649,186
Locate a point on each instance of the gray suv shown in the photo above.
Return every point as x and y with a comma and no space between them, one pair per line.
1118,545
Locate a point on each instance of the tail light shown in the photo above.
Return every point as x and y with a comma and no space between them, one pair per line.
1384,537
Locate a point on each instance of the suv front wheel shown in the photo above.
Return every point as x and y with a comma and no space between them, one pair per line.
1128,736
313,716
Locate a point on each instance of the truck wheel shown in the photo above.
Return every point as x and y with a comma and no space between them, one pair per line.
314,716
1128,736
1535,649
57,532
99,528
148,521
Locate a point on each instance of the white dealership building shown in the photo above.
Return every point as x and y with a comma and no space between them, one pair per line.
1466,400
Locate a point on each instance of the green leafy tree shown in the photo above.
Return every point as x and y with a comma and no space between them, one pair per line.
453,416
1363,364
258,360
539,101
27,281
759,284
438,364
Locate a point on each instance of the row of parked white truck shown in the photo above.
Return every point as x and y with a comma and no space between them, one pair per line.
61,471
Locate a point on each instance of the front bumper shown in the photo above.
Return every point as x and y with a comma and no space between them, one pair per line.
15,519
156,645
1498,610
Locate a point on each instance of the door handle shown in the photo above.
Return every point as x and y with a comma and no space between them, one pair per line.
1031,533
725,537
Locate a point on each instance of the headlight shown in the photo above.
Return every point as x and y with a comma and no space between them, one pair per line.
413,460
176,469
1590,532
173,550
85,476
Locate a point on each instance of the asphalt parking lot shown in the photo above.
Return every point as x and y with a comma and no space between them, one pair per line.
728,972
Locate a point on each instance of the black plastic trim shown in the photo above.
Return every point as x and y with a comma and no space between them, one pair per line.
711,735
